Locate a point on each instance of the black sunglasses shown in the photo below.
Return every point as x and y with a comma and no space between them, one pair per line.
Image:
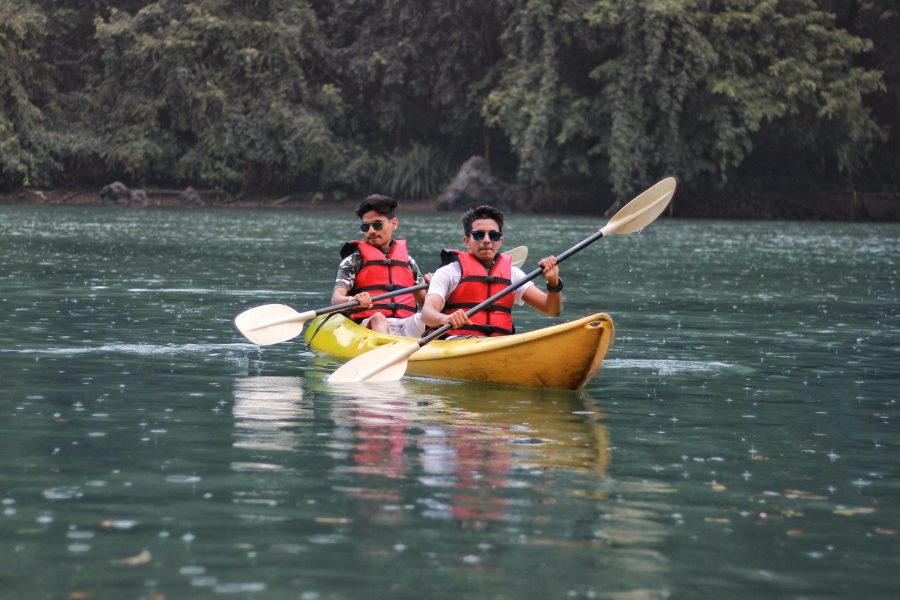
376,225
493,235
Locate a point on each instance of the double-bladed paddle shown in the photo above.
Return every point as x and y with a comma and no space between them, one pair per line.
389,362
274,323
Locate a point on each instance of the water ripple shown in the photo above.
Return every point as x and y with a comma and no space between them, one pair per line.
666,367
138,349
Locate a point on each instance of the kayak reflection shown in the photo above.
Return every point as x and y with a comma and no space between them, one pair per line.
473,446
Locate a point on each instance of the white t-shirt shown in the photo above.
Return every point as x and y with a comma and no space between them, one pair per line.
445,280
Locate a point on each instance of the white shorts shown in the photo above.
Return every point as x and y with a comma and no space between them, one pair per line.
412,326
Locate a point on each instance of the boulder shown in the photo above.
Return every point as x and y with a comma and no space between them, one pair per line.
191,197
475,185
116,192
120,193
139,197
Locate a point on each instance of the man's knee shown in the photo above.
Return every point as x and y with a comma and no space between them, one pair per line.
378,322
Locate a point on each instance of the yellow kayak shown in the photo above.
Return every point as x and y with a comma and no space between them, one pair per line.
563,356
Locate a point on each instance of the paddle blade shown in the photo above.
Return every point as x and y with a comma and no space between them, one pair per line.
271,323
518,255
385,363
642,210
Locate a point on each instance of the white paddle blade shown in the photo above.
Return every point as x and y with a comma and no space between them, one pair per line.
642,210
385,363
518,255
271,323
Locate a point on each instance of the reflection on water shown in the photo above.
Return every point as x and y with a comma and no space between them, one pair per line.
267,413
492,459
409,458
464,442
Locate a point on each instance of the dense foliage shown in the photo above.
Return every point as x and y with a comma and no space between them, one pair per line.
346,96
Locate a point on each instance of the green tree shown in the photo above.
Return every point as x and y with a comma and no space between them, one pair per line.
805,84
354,94
222,92
27,142
543,98
656,89
527,99
879,21
714,79
412,76
676,87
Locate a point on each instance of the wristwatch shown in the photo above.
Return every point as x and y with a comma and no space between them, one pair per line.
557,288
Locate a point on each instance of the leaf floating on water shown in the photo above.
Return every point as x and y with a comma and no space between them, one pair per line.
793,494
589,544
118,524
333,520
141,559
886,531
758,457
716,486
850,512
766,493
594,495
779,513
794,531
723,520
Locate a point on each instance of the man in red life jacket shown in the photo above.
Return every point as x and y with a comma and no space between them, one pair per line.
377,265
469,278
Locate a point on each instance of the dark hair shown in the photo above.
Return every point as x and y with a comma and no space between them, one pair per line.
383,205
481,212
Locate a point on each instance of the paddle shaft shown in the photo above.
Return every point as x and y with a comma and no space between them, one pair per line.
533,275
335,308
352,303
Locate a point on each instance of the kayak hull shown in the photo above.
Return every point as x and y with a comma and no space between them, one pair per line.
563,356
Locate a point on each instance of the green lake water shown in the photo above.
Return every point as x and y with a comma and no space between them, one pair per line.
740,440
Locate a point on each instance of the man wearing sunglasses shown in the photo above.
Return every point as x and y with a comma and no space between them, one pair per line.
468,278
377,265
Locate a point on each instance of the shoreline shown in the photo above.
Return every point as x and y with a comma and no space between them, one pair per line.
870,207
175,199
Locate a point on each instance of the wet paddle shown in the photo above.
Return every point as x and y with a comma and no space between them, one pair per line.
274,323
389,362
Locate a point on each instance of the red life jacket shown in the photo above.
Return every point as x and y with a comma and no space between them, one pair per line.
477,285
379,274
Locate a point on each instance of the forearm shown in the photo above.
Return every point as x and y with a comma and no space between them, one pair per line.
420,297
553,304
431,311
339,296
547,303
550,302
